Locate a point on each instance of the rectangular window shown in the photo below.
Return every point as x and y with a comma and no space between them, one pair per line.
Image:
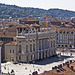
19,41
20,48
33,47
46,44
40,44
30,47
60,36
33,40
26,48
13,51
51,44
54,43
10,50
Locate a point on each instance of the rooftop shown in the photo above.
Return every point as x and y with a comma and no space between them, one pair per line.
66,29
55,20
1,41
29,19
11,43
65,70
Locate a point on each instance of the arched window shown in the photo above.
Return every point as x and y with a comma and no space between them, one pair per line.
62,45
70,46
58,45
65,45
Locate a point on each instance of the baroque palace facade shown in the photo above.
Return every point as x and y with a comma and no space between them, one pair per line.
32,43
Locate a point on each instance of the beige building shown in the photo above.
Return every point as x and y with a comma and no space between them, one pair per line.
34,45
10,51
65,38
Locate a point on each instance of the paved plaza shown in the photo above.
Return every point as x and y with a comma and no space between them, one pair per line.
40,66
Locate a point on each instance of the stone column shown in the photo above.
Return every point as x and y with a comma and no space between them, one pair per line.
48,53
38,55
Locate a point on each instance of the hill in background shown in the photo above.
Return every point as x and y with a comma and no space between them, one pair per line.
13,11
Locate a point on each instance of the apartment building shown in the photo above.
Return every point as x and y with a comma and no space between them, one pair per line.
10,51
65,38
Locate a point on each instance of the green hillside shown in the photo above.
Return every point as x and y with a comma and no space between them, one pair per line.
13,11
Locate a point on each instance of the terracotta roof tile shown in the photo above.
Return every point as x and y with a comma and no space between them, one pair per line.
29,19
1,41
55,20
11,43
65,71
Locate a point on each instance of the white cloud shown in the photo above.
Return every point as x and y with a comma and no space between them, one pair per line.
45,4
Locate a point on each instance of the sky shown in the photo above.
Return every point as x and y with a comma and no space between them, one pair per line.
44,4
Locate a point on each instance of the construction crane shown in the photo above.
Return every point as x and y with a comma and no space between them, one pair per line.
47,21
